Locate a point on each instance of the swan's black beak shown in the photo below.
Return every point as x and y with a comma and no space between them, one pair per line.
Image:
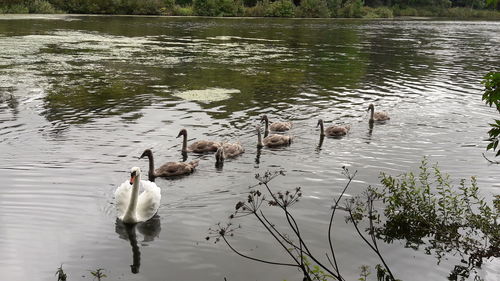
132,178
180,134
142,155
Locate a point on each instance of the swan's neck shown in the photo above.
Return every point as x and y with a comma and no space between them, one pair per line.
322,128
184,142
266,130
151,173
372,111
130,213
259,139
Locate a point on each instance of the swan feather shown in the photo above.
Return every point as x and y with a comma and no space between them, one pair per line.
148,201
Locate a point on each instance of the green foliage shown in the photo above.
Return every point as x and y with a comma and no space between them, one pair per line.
492,4
145,7
61,276
169,4
379,12
466,13
137,7
281,8
259,10
218,8
315,272
491,97
98,274
41,7
405,12
492,89
334,7
182,11
427,209
313,9
184,3
15,9
365,272
204,7
352,9
462,9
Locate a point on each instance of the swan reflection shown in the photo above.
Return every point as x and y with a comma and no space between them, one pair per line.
370,132
257,157
320,144
149,229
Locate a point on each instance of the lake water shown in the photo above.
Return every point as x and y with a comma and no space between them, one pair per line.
82,96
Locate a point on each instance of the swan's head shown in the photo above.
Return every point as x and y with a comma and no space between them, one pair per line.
370,107
257,128
320,121
146,152
219,155
264,118
134,173
182,132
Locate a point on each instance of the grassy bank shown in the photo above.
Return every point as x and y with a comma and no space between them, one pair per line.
240,8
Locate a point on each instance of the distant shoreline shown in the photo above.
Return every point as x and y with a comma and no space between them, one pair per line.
33,15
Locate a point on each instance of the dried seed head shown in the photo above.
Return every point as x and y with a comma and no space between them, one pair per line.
239,205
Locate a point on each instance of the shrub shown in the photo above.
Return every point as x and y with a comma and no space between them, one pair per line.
148,7
334,7
492,98
384,12
369,13
380,12
41,7
259,10
16,9
313,9
405,12
230,8
466,13
352,9
169,4
205,7
281,8
182,11
427,210
217,8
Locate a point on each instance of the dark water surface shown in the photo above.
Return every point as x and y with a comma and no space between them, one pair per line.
82,97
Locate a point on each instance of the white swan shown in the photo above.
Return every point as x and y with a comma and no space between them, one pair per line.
132,207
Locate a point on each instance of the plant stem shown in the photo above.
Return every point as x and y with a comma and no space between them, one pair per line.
256,259
371,246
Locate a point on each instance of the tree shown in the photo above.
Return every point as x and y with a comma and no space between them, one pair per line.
491,97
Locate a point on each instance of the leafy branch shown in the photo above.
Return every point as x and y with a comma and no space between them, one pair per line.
491,97
429,210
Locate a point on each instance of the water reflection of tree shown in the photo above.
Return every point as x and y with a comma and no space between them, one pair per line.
87,100
149,229
289,58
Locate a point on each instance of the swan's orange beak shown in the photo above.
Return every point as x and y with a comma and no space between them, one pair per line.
132,179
